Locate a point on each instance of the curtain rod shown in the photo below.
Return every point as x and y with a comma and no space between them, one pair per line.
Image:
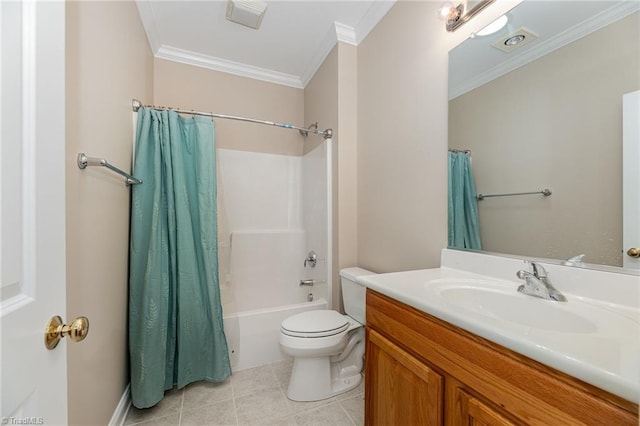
466,151
327,134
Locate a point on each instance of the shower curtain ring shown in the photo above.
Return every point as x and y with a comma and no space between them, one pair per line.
313,126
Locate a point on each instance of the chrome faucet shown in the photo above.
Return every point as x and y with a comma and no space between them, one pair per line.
537,284
312,259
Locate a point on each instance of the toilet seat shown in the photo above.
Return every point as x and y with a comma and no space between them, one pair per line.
314,324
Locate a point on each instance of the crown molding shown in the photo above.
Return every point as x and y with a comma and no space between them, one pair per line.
223,65
337,33
345,33
574,33
328,42
145,10
376,12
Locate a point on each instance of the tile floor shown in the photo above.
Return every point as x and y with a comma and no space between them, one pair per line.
256,396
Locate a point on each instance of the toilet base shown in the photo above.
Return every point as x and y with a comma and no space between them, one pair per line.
311,380
317,378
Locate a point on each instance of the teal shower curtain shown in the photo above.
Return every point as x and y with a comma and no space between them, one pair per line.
464,226
176,334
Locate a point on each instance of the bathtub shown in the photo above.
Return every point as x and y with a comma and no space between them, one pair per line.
262,288
252,336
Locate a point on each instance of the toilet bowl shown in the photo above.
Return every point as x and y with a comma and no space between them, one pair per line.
327,346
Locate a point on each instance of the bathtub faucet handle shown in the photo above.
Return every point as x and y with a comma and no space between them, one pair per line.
307,282
312,259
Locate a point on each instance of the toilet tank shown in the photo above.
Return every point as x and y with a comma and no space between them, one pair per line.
354,294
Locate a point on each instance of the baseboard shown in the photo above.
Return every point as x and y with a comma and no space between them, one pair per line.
120,415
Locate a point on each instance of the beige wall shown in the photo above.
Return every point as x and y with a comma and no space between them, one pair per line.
330,99
190,87
402,135
557,123
402,140
347,151
108,63
321,99
321,105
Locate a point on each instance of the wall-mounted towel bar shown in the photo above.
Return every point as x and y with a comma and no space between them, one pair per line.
546,192
84,161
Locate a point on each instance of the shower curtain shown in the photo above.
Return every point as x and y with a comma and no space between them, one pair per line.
176,334
464,227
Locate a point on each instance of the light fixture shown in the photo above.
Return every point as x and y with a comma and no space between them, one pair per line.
515,40
445,10
246,12
512,41
493,27
455,16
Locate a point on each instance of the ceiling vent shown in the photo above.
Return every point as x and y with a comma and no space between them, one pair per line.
246,12
515,40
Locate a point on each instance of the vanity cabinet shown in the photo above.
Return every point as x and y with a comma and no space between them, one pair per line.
421,370
404,390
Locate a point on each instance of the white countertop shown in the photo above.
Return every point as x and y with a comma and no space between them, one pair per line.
604,351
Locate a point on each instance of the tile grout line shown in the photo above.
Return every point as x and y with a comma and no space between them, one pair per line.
346,412
233,399
283,393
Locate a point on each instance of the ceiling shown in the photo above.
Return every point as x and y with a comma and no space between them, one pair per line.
556,23
291,44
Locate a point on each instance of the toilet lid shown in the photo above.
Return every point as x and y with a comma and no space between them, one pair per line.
318,323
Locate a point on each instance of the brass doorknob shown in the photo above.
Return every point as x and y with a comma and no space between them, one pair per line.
56,330
633,252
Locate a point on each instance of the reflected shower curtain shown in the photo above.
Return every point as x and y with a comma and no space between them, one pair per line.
464,227
176,334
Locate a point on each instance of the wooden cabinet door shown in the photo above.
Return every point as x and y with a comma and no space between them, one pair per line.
467,410
400,389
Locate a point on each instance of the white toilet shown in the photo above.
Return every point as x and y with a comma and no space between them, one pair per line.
328,347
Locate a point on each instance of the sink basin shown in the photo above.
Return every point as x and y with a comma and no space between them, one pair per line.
518,308
501,301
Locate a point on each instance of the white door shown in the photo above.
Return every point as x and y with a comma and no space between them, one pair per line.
631,177
32,213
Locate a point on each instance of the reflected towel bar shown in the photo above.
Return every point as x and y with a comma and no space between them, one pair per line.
84,161
546,192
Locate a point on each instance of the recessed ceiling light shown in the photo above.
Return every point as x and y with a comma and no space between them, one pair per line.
512,41
515,40
493,27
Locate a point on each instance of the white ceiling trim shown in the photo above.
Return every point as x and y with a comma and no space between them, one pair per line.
338,32
345,33
545,47
149,23
374,15
330,40
224,65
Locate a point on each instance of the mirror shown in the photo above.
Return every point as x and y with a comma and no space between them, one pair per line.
547,113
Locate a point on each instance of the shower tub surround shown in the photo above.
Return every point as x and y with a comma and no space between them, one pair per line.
272,210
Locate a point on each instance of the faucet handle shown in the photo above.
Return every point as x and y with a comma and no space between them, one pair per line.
538,269
312,259
575,260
